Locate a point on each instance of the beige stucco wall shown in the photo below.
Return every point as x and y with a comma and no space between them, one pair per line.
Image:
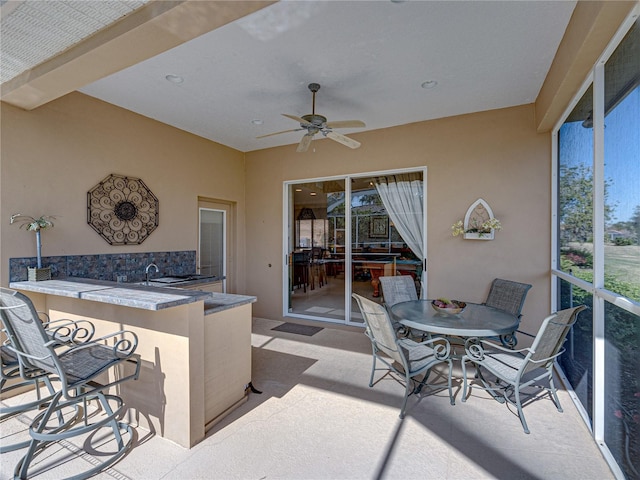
51,157
495,155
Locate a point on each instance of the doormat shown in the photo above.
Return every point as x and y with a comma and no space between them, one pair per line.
298,329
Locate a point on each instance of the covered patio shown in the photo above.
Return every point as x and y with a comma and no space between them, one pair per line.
317,419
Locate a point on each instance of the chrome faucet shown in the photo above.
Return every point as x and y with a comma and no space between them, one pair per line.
146,271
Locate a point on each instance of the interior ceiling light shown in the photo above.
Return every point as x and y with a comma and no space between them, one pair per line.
313,194
174,78
306,214
257,121
429,84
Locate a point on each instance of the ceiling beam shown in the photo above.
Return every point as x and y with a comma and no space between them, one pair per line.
590,30
149,31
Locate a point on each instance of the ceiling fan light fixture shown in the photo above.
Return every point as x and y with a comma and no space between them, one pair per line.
314,124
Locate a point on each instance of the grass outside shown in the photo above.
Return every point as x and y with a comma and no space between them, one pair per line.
621,262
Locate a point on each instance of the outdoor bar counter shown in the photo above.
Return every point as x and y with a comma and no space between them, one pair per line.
195,348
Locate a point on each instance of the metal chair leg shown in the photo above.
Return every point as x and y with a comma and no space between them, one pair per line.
43,436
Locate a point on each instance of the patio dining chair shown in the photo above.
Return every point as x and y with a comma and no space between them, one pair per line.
86,372
509,296
396,289
515,370
11,380
402,356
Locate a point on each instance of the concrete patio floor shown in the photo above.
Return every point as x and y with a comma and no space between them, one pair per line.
317,418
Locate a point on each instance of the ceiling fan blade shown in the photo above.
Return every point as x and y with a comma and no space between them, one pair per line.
346,124
303,146
297,119
338,137
278,133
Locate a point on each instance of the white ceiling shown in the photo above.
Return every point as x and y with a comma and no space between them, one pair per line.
370,57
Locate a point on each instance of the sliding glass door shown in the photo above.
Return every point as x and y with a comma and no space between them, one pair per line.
335,247
382,207
316,249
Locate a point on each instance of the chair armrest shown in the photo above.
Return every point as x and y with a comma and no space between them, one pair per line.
70,331
546,359
491,344
434,340
474,348
125,343
440,345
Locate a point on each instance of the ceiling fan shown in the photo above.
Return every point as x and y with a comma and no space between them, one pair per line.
314,123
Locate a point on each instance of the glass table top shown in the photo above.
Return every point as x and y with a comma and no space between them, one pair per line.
475,321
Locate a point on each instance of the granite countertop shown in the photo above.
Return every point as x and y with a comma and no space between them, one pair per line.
147,297
225,301
128,295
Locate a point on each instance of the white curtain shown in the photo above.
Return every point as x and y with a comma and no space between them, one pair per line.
402,196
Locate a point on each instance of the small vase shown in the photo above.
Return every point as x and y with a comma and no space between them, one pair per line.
39,274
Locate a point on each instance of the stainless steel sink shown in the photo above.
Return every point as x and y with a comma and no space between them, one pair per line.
181,278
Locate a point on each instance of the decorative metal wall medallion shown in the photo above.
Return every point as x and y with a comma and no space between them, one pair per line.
122,210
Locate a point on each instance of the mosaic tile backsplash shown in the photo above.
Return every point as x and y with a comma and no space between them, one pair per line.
108,266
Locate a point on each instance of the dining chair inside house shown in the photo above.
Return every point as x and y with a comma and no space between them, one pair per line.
404,357
301,270
85,376
396,289
515,370
318,269
508,296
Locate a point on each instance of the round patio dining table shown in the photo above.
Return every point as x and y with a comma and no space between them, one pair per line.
475,321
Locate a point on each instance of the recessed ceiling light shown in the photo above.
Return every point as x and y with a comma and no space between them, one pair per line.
298,189
257,121
174,78
429,84
313,194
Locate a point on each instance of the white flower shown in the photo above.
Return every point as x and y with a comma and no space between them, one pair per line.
484,228
33,224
